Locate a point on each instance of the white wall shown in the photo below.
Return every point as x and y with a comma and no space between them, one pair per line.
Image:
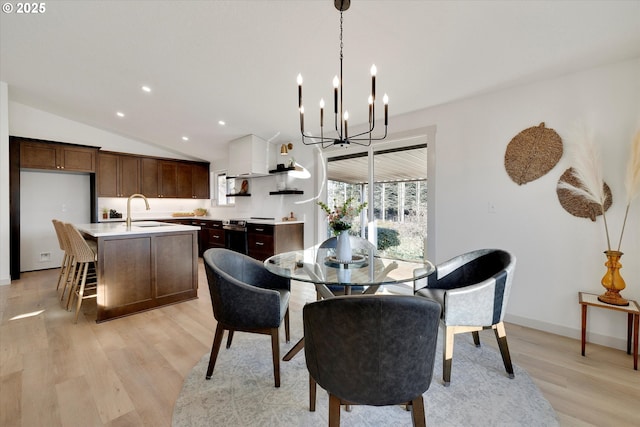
64,196
558,254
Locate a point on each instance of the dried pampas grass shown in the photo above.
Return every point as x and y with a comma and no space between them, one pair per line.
587,169
632,179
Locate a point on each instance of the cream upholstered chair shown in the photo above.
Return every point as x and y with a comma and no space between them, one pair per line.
246,297
473,290
67,258
84,283
371,350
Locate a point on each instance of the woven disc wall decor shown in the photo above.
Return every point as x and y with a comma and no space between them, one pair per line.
532,153
578,205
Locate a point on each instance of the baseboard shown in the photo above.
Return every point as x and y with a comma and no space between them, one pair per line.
605,340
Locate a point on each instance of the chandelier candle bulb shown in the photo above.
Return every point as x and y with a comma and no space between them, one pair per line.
374,70
346,117
321,111
385,99
299,90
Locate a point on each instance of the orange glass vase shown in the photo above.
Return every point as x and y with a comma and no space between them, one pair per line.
612,280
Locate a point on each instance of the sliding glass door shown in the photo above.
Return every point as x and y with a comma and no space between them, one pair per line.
397,211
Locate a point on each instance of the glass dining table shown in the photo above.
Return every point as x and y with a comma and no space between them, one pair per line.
366,269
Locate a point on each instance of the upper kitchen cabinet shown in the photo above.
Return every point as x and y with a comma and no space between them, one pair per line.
183,179
248,156
149,177
118,175
35,154
200,174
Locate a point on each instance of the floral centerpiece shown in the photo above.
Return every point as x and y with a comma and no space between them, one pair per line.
587,169
340,220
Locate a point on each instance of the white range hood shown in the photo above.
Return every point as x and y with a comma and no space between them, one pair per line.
248,156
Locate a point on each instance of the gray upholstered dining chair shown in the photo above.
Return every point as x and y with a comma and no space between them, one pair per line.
359,246
246,297
371,350
473,290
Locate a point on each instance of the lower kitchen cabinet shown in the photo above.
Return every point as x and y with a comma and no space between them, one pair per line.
265,240
211,234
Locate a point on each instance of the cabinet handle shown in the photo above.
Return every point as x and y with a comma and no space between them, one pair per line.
259,229
216,237
259,244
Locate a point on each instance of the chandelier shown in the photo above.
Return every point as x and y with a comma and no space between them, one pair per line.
341,116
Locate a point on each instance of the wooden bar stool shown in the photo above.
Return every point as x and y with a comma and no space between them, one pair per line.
85,283
67,259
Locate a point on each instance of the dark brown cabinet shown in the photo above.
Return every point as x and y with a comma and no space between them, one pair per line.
184,180
167,179
211,234
118,175
54,156
200,174
265,240
149,177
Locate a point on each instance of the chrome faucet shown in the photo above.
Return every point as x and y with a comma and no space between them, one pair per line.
133,196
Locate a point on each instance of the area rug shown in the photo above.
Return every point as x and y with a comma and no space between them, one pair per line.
241,392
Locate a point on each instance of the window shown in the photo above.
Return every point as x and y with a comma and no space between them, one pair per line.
222,186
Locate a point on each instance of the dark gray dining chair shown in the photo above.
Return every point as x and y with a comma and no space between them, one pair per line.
246,297
373,350
473,290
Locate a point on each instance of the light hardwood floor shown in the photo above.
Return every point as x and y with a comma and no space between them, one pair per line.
128,372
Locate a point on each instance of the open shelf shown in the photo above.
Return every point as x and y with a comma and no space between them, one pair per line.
292,168
286,192
239,195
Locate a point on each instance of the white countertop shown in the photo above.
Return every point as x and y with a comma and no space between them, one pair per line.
106,229
203,218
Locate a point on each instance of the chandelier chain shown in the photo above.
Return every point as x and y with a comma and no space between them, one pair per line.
341,43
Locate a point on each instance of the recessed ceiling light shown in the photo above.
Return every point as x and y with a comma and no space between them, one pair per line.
185,138
221,122
119,114
146,89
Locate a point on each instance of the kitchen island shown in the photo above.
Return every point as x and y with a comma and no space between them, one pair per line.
142,267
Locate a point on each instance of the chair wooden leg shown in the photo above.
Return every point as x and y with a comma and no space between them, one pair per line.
63,269
217,341
73,285
501,336
229,338
69,279
287,330
417,412
334,411
447,353
312,394
275,350
80,292
476,338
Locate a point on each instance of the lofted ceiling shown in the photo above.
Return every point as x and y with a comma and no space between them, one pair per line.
238,60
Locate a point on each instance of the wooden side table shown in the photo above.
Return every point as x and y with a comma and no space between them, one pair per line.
633,320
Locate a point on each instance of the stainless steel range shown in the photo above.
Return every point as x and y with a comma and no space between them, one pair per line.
235,234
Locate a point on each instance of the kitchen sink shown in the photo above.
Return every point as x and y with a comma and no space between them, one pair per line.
150,224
